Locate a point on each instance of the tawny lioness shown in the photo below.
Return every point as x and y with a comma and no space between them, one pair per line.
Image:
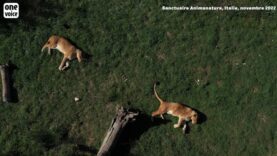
181,111
64,46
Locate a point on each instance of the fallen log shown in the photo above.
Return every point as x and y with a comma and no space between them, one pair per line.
6,86
118,124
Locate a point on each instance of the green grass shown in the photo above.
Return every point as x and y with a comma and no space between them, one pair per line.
134,44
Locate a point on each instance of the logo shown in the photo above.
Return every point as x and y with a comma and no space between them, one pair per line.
11,10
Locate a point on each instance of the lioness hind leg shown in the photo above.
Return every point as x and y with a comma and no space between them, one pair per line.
158,112
79,55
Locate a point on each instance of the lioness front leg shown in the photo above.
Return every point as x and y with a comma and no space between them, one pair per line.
62,63
49,51
180,121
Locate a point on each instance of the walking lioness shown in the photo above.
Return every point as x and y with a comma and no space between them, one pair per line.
181,111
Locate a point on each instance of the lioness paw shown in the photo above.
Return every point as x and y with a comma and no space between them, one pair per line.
176,126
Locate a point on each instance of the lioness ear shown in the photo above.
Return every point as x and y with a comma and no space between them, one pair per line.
56,41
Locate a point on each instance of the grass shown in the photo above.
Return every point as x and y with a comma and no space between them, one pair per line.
222,63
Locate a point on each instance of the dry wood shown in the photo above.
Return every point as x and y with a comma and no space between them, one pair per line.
6,87
118,124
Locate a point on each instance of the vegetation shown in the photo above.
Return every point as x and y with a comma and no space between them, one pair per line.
222,63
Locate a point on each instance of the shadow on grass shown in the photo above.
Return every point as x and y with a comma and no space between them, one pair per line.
30,10
87,149
31,13
134,130
51,139
201,117
14,93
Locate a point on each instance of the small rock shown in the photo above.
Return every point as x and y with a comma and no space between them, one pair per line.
197,82
76,99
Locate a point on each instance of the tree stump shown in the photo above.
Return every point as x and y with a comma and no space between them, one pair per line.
6,87
118,124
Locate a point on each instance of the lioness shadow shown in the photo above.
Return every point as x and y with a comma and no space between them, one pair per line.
201,117
133,132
